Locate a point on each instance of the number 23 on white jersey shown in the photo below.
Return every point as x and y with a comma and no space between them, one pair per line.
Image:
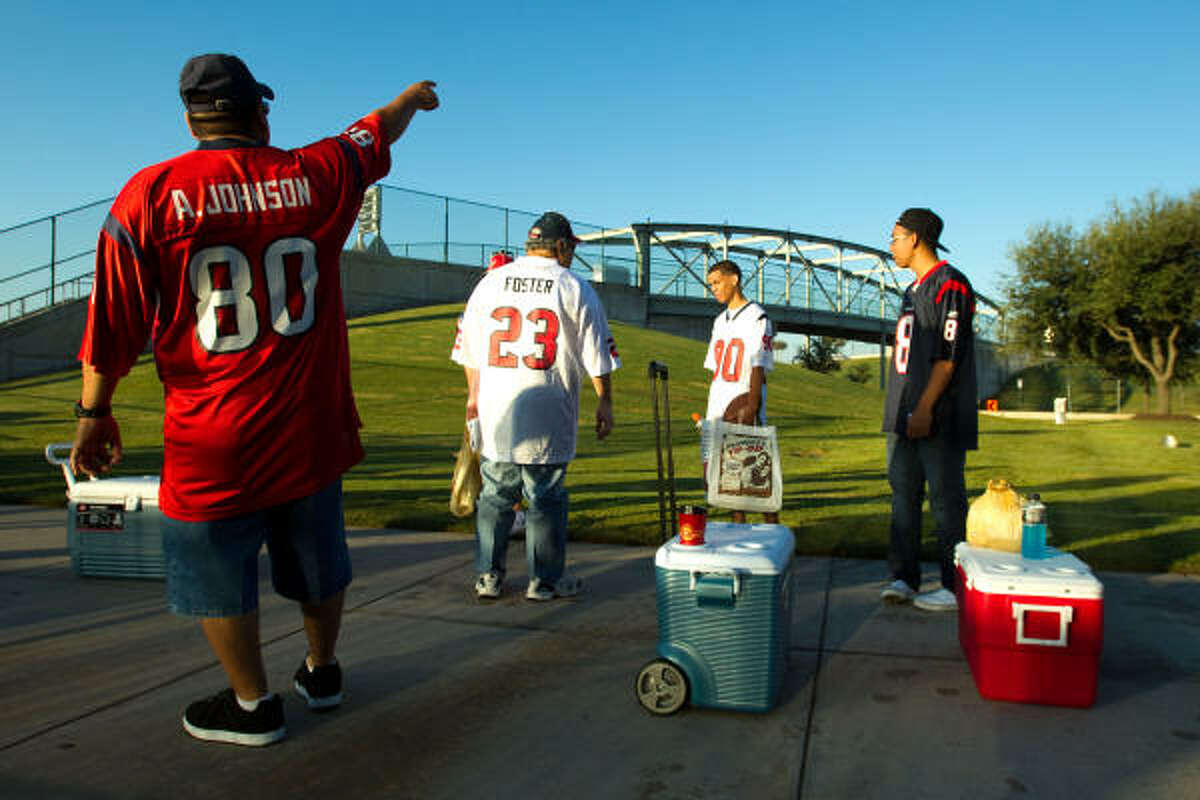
543,325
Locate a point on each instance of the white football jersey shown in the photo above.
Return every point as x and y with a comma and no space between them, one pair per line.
741,340
533,329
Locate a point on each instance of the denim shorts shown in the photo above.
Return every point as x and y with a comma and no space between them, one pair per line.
212,566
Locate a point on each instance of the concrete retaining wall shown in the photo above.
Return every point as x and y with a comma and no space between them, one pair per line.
48,340
45,341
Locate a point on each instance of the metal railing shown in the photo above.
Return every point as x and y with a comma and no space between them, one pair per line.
41,275
779,267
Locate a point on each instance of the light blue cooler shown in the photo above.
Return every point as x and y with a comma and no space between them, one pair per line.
724,620
114,527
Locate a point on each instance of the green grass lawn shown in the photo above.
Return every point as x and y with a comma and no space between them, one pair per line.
1116,496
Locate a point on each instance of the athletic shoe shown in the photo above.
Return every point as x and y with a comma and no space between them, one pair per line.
221,718
321,687
897,592
565,586
518,523
940,600
487,586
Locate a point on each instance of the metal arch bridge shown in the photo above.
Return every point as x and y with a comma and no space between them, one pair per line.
813,284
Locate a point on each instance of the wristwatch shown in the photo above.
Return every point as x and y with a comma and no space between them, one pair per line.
99,412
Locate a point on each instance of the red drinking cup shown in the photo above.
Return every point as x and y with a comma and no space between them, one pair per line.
691,525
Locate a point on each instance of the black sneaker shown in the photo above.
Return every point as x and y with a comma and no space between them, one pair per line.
221,719
321,687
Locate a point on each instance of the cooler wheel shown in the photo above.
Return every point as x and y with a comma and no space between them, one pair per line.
661,687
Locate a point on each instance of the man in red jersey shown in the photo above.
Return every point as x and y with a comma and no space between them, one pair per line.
228,256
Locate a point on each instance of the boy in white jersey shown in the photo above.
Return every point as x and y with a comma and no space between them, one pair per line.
529,332
740,353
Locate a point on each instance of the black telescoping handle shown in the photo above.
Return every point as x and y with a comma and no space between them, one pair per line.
658,371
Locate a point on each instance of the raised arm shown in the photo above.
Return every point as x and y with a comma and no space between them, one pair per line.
397,114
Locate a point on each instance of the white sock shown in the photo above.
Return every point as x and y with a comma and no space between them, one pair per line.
308,662
252,705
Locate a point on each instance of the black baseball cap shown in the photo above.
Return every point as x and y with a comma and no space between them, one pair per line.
925,224
220,82
550,227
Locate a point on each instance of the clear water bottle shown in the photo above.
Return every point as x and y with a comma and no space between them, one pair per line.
1033,528
704,426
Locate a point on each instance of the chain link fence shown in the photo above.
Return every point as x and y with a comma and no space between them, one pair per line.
1086,388
435,227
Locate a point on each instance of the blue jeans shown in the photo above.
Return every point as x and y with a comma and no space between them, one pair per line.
911,463
545,521
212,566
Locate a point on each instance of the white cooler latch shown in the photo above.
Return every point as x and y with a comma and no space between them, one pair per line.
719,587
133,502
1065,615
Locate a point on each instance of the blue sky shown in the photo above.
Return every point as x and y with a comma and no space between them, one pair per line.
821,119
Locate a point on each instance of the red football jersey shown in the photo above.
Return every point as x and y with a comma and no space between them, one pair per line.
229,257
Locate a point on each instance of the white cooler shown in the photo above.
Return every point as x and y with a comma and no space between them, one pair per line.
114,527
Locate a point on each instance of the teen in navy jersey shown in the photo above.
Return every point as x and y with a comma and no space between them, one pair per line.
930,415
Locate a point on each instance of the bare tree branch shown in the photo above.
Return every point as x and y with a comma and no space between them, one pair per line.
1123,334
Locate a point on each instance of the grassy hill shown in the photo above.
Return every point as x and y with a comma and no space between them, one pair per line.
1116,496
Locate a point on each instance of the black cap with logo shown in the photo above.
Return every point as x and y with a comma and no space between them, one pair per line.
551,227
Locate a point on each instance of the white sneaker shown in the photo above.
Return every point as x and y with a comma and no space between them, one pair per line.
566,586
896,593
488,585
940,600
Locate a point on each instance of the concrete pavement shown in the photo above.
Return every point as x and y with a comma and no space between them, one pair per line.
447,697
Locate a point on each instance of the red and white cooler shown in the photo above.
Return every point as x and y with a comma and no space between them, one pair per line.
1032,630
113,525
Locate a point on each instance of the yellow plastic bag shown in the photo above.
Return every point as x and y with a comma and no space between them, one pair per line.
994,518
466,482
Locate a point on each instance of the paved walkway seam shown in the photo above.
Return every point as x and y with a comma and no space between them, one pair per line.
812,700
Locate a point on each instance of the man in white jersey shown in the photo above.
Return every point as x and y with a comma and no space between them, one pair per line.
529,332
499,259
740,353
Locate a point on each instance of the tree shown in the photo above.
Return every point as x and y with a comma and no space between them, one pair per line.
860,372
1123,295
1047,305
821,354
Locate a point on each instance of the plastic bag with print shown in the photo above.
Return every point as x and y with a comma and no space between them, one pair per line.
466,482
744,472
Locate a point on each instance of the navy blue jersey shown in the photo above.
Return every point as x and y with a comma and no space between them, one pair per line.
936,324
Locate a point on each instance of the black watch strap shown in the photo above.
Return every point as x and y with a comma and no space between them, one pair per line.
99,412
